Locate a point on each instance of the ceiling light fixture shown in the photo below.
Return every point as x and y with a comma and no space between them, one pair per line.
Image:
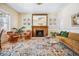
39,3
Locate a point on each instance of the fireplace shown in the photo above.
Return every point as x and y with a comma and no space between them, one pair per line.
39,33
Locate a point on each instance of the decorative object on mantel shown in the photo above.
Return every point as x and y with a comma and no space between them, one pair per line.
75,19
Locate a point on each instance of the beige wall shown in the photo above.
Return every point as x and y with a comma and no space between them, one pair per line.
14,14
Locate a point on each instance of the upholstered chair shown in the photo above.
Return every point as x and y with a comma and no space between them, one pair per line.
28,34
13,37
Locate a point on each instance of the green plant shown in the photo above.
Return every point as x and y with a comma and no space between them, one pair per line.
64,33
53,33
19,30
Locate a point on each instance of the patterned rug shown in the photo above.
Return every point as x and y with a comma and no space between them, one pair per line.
37,46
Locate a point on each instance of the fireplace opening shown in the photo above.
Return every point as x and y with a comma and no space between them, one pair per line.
39,33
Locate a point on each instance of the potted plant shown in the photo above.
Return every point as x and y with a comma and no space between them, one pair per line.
19,30
53,34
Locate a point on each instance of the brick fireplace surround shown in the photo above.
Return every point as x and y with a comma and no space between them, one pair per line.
44,28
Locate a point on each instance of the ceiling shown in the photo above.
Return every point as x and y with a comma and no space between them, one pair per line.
34,8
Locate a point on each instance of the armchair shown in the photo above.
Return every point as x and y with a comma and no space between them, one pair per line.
28,34
12,37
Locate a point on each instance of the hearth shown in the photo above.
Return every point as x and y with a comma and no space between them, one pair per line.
39,33
42,31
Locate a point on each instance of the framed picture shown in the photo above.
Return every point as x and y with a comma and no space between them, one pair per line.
40,19
75,20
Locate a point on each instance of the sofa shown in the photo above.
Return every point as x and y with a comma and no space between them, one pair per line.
72,41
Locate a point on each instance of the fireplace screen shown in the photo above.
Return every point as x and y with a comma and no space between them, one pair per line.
39,33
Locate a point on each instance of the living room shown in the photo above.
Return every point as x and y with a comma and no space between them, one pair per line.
43,26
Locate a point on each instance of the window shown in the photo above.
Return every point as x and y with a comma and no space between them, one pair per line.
4,21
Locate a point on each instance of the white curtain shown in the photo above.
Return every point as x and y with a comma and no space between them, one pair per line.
4,21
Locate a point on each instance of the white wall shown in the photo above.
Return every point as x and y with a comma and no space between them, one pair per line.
64,17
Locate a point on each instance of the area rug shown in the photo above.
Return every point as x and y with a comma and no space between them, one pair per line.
37,46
